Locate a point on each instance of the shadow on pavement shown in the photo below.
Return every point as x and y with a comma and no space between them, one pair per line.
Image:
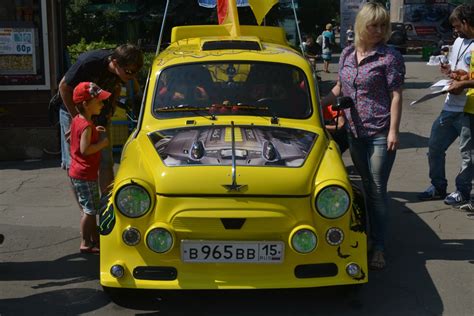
30,164
417,85
410,140
61,302
79,267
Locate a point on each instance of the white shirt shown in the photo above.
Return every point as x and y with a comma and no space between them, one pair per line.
459,58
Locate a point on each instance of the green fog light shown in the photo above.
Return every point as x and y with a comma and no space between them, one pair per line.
304,241
159,240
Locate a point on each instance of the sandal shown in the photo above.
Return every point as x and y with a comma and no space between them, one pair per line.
90,249
378,261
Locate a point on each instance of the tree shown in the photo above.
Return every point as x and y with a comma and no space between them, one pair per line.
91,25
314,15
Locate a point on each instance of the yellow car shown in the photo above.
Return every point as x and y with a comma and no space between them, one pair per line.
230,180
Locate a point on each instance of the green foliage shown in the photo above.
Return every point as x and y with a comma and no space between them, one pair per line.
91,25
314,15
75,50
148,58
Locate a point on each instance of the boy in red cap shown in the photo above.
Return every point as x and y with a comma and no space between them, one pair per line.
85,159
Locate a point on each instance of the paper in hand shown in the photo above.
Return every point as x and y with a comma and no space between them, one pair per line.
438,88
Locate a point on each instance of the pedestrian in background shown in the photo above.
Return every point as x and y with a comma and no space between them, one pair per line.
312,51
372,74
328,41
85,159
350,36
452,122
107,68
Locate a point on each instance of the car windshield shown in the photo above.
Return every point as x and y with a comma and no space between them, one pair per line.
232,88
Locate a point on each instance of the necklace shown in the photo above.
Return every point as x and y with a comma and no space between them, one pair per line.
461,54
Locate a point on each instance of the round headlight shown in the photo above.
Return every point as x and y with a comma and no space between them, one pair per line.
133,200
159,240
304,241
332,202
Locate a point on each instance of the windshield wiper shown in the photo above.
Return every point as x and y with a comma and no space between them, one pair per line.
255,108
181,108
185,108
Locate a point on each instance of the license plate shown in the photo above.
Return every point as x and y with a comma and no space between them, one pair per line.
232,251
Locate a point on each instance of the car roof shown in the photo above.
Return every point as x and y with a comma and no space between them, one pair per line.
207,43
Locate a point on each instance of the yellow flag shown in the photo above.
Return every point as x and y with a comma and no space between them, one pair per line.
260,8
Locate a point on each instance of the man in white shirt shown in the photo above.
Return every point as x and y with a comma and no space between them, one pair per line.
452,121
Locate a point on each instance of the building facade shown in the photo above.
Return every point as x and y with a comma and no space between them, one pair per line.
29,57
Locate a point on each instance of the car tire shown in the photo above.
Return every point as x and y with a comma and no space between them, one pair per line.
397,38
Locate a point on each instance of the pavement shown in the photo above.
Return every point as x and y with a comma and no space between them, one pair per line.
430,252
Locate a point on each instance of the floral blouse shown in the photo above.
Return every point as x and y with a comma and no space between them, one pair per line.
369,84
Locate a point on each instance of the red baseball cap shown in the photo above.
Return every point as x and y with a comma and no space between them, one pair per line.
88,90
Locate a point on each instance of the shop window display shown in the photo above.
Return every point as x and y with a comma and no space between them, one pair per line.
21,43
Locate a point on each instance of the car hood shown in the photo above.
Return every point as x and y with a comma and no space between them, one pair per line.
213,160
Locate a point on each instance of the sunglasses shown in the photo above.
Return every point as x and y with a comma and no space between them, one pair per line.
130,72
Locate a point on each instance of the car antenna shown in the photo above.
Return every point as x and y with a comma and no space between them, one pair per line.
298,28
162,27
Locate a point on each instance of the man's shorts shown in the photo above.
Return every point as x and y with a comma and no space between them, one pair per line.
88,196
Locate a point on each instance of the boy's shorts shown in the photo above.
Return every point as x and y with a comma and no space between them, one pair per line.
87,193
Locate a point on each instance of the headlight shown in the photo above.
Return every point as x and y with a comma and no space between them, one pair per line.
133,200
304,241
159,240
332,202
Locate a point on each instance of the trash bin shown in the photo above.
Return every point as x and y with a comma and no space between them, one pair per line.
426,52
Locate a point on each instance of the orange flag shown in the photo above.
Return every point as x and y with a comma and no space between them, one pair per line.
228,15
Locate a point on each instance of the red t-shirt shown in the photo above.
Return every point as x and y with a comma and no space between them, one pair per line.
83,167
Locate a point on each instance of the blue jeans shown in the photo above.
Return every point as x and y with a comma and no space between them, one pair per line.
374,163
65,124
446,128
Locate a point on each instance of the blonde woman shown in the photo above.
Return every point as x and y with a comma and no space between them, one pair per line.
372,74
327,42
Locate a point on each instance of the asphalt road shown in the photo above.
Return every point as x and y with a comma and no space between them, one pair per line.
430,250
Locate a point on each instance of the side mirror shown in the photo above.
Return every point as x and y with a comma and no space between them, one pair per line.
343,103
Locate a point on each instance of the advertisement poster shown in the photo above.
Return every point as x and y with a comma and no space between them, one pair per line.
427,20
17,55
349,9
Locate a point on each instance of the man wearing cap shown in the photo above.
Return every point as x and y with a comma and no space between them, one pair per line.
107,69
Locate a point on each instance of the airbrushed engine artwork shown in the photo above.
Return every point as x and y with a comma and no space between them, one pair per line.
254,146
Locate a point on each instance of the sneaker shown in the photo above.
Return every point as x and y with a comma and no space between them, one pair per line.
455,198
466,207
431,193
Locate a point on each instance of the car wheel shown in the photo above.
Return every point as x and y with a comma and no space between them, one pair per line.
397,38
